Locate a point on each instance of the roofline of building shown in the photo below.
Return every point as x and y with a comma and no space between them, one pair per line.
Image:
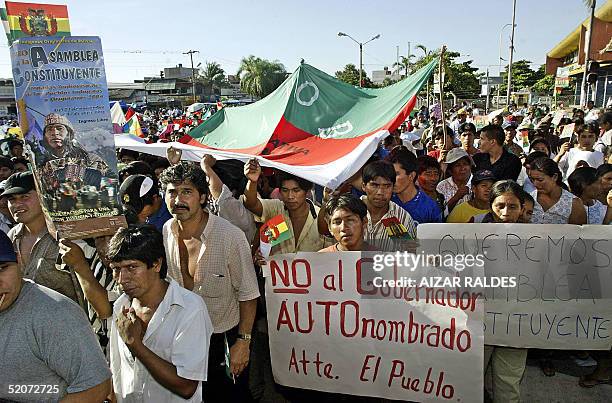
570,42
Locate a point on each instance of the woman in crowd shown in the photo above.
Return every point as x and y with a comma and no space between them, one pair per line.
585,184
604,174
506,202
553,203
456,187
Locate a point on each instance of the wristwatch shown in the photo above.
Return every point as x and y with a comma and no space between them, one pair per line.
244,336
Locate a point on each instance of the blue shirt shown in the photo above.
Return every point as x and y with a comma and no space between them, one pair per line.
160,217
422,208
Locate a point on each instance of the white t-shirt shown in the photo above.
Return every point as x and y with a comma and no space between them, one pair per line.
568,162
179,332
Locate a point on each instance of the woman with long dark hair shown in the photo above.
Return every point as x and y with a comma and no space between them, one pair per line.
553,203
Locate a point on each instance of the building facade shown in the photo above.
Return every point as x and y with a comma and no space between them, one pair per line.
566,60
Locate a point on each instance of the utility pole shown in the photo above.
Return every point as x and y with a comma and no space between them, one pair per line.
397,63
360,64
408,65
488,92
190,53
587,53
511,54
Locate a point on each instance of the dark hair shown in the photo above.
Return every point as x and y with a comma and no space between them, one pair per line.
19,160
404,157
606,118
540,140
138,242
507,186
383,169
15,143
534,155
6,163
426,162
529,198
467,126
494,132
136,168
126,152
185,171
389,140
581,178
592,127
160,163
303,184
438,132
348,202
603,169
549,168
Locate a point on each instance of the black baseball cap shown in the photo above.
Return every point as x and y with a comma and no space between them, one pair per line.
7,252
19,183
483,175
133,189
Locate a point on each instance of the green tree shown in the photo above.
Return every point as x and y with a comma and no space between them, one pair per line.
260,77
545,85
523,76
212,76
459,78
350,75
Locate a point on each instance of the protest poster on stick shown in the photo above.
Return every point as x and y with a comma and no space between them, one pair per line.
563,298
331,328
63,107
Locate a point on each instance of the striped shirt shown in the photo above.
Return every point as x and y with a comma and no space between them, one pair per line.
378,236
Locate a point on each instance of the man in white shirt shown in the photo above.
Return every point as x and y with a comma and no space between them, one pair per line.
161,332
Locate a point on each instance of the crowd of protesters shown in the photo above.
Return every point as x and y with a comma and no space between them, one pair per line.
171,308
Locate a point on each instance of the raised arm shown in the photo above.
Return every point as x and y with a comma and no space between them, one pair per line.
252,171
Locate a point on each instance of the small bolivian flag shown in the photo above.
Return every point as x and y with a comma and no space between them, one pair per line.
34,19
275,231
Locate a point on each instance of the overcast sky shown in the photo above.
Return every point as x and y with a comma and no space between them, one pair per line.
287,30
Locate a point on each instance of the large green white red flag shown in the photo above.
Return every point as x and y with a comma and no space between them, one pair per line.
313,125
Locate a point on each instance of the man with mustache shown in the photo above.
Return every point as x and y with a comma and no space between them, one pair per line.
212,257
36,249
46,341
160,335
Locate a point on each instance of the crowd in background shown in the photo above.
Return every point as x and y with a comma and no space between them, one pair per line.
189,264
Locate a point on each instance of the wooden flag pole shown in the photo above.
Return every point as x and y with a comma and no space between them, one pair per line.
441,82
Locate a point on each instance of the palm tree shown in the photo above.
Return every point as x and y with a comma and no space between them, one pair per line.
404,63
259,77
424,49
212,76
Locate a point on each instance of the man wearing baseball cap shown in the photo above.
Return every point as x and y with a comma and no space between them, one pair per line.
139,196
47,341
510,132
35,247
482,181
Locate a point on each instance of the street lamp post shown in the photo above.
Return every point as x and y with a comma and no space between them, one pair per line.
511,54
360,52
500,60
190,53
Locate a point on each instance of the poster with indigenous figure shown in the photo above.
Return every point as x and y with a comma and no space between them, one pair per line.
62,101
